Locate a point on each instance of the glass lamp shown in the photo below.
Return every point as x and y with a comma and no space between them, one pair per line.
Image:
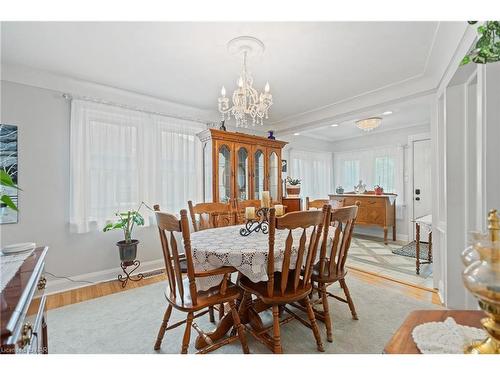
482,278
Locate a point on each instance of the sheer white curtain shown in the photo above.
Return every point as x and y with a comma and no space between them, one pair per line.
121,157
378,166
315,171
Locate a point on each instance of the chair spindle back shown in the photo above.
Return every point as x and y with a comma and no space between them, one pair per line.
210,215
305,255
168,226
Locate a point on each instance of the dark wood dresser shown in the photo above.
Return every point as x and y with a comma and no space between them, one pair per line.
23,312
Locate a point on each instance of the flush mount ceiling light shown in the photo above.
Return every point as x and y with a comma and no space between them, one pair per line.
334,125
246,101
386,113
368,124
296,133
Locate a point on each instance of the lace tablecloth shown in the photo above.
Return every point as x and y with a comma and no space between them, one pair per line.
446,337
218,247
9,264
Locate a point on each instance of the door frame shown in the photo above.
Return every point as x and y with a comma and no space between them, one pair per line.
411,180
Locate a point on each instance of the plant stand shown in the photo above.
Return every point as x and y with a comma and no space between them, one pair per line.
128,275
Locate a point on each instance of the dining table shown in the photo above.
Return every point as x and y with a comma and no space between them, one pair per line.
225,246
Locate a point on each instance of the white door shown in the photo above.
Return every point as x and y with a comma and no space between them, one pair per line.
421,183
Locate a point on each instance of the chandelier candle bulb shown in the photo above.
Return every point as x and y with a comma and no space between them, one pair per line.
223,91
250,213
267,88
265,199
279,210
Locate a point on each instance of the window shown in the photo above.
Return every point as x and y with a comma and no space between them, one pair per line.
377,166
385,173
315,171
350,174
120,158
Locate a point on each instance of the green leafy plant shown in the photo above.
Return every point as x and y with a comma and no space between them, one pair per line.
487,48
293,181
126,222
6,180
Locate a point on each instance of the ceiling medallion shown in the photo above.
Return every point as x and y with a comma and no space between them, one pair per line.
246,101
368,124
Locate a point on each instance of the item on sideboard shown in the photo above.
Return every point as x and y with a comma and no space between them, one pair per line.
482,278
222,126
360,188
259,223
265,199
339,189
271,134
378,190
127,248
284,165
292,187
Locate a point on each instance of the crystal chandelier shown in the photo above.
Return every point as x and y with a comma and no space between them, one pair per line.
246,101
368,124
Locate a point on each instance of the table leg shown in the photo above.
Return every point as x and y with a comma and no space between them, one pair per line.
385,235
417,245
430,247
394,231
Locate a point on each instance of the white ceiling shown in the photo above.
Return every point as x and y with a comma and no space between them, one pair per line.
310,66
404,114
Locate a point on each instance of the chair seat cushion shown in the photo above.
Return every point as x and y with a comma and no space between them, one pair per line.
204,299
290,295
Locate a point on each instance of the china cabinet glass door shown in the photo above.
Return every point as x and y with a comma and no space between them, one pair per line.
224,173
274,179
242,181
259,176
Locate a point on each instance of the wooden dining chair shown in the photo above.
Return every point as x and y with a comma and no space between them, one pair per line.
331,266
241,205
210,215
293,283
319,203
182,293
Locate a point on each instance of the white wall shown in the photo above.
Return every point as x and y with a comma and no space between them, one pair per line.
397,137
43,119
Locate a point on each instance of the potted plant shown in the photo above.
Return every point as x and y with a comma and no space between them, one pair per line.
378,190
126,222
292,186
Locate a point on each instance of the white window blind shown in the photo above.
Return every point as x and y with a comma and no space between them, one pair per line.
121,157
315,171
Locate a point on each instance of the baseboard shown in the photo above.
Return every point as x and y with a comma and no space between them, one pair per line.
61,285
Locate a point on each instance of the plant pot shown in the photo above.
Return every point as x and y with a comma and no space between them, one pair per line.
128,251
293,190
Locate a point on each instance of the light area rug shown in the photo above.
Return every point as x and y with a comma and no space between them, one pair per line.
128,322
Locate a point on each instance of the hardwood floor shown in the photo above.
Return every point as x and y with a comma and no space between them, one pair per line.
110,287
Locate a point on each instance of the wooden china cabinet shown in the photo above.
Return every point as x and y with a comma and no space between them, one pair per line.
240,166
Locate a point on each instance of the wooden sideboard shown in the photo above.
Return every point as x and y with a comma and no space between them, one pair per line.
22,308
374,210
240,166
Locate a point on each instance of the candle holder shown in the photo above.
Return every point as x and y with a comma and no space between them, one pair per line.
257,225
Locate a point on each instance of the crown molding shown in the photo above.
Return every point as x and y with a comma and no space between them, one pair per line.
68,85
447,37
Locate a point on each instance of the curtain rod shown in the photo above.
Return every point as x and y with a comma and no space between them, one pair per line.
68,96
